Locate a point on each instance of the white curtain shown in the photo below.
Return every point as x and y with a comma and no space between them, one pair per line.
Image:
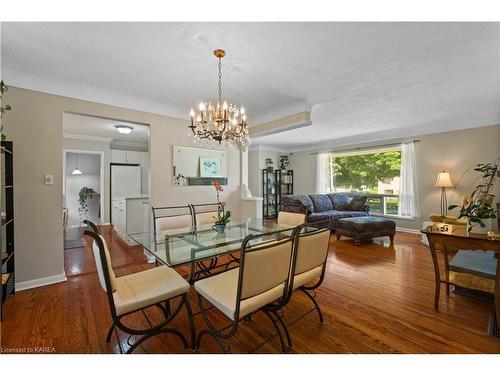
409,204
324,183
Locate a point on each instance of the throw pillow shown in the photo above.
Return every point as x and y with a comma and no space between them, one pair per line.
357,203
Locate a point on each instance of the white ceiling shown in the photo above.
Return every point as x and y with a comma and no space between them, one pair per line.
361,81
74,124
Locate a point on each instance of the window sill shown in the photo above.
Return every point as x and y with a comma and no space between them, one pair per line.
409,218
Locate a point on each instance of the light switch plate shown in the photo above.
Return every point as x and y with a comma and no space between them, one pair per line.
49,179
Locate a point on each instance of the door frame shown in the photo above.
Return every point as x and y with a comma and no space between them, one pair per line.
101,175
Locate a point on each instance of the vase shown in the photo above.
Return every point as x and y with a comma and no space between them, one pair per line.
219,228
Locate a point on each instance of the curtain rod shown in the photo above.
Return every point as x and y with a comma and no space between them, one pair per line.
364,148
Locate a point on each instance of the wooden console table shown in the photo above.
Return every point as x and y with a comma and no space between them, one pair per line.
451,238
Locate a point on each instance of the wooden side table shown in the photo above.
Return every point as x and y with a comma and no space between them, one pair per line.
451,238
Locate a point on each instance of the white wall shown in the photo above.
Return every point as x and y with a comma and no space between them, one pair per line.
90,166
35,125
453,151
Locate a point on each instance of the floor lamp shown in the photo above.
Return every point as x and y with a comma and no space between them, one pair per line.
443,181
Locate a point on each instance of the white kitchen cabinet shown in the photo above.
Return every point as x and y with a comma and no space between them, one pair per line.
126,157
128,216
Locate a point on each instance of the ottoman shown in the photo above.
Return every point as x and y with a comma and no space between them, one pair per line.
364,228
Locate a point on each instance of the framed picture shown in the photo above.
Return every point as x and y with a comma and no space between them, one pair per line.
210,167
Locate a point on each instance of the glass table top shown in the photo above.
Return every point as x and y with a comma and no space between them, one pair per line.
182,246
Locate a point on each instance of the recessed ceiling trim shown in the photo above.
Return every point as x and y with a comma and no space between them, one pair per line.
295,121
87,137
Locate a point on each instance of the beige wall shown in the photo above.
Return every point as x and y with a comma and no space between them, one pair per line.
35,125
453,151
256,163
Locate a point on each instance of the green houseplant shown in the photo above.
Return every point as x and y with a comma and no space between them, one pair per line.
3,89
479,205
83,196
223,217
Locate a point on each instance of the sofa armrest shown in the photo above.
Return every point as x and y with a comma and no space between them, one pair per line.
296,207
366,208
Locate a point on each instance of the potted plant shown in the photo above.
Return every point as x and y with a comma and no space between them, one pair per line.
3,109
269,164
223,216
478,207
285,161
83,196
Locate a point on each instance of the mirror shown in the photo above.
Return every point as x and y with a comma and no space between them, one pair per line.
198,166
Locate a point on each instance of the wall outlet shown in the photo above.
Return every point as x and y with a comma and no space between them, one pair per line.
49,179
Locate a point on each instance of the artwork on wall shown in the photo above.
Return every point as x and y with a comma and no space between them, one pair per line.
210,167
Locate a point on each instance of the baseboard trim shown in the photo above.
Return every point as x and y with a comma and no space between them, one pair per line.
23,285
408,230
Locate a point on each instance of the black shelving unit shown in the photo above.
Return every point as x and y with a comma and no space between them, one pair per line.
285,178
269,194
7,223
275,184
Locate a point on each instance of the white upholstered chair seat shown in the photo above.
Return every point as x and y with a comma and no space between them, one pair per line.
147,288
220,291
306,277
291,218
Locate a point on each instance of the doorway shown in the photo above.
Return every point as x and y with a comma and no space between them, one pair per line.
83,193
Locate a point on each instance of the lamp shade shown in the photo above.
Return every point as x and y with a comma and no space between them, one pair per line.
443,180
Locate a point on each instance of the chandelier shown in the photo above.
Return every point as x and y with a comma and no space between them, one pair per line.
219,121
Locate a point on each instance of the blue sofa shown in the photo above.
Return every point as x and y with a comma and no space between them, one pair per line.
326,207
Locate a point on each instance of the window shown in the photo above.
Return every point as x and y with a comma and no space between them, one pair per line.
374,173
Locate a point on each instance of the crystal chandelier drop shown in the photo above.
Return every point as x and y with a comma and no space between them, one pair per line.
219,121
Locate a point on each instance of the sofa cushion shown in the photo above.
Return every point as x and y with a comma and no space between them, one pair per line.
356,213
297,200
340,201
321,202
328,215
357,203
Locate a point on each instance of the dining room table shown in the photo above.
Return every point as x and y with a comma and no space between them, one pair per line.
194,247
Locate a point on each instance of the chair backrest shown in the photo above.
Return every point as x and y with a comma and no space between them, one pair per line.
264,267
102,259
203,214
291,218
173,217
312,250
92,226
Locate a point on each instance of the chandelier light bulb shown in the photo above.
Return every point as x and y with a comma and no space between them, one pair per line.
191,113
202,106
224,106
242,110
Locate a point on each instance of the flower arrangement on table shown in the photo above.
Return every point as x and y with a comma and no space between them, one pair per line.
223,216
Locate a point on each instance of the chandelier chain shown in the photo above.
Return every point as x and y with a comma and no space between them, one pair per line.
220,79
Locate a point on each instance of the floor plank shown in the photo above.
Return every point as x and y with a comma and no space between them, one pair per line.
376,298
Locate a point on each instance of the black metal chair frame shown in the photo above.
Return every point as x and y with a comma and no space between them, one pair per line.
271,309
153,330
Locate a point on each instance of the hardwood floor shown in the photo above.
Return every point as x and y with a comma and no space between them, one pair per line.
376,298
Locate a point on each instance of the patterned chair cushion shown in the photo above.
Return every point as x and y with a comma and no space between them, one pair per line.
292,202
339,201
321,202
357,203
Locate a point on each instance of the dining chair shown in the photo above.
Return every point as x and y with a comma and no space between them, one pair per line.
172,217
261,280
92,226
136,292
308,268
203,214
291,218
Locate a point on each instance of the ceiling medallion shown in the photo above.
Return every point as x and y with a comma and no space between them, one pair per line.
219,122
